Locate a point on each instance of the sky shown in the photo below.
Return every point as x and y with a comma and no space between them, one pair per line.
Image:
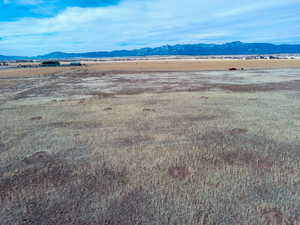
35,27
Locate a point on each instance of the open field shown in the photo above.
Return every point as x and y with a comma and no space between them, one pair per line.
92,145
185,65
166,65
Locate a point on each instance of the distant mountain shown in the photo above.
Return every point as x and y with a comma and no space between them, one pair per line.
232,48
4,57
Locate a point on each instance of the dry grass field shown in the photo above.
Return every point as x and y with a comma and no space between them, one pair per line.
185,65
85,146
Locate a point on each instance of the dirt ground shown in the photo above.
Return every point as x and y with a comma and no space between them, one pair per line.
89,145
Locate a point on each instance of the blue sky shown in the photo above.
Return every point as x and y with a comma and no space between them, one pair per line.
33,27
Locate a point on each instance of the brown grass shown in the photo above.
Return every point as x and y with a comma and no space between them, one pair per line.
191,65
29,72
153,157
49,190
154,66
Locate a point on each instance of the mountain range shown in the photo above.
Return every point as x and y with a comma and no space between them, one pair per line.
232,48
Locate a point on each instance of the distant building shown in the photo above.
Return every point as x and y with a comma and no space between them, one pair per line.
3,64
273,57
75,64
50,63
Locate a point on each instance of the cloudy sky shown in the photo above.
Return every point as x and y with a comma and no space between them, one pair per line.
33,27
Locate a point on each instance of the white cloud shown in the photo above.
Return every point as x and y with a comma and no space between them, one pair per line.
137,23
254,6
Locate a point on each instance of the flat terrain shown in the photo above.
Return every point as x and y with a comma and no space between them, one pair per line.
185,65
122,146
166,65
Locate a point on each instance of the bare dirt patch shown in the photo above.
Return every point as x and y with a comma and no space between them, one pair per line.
39,169
136,90
200,117
75,125
149,110
237,131
132,140
293,85
153,102
98,94
36,118
244,150
39,157
45,90
136,207
82,101
204,97
180,172
273,216
3,147
71,203
246,158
